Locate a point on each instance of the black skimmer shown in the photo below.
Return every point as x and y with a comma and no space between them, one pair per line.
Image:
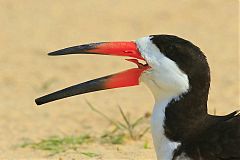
178,75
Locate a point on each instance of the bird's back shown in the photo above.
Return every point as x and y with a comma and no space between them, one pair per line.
222,141
219,141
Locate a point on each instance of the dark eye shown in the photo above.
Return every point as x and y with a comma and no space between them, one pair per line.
171,47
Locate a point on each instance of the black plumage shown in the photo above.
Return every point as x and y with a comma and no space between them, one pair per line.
202,136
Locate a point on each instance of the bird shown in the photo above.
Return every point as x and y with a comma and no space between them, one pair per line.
177,73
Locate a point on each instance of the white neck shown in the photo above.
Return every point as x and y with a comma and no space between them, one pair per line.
166,82
163,146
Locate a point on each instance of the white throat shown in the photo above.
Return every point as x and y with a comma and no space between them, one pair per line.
163,146
167,82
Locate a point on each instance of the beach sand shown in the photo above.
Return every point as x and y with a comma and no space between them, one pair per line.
31,29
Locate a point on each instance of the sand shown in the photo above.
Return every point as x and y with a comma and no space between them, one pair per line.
30,29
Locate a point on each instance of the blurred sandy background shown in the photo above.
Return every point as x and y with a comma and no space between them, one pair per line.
30,29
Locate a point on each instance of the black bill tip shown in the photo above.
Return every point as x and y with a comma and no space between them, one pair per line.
86,87
39,101
85,48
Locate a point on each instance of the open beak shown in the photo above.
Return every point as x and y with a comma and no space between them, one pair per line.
123,79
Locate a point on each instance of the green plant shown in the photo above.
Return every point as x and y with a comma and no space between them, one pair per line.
56,144
122,130
90,154
146,145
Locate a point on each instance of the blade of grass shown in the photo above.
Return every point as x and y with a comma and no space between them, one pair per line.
117,124
90,154
138,121
144,132
129,126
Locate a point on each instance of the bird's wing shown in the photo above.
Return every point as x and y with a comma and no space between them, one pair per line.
222,140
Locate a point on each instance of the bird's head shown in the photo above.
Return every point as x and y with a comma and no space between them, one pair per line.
172,67
176,65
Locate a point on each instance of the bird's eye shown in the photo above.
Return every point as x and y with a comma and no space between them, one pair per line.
171,47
